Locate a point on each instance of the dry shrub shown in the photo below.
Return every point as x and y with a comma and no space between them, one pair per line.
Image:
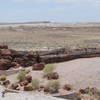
53,86
21,75
35,84
28,88
3,77
48,69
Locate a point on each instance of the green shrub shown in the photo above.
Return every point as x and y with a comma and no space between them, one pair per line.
53,86
35,84
21,75
3,77
48,69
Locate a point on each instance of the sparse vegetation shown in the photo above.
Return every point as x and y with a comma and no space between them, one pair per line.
35,84
48,69
21,75
28,88
53,86
3,77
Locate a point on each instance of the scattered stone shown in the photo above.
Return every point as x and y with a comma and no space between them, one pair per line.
24,83
15,86
38,66
29,78
67,87
53,75
6,82
46,89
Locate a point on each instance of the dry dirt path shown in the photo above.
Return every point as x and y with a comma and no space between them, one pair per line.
81,72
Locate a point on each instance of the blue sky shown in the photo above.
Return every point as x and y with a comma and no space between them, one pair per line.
50,10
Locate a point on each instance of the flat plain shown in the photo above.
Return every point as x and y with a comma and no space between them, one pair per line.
30,36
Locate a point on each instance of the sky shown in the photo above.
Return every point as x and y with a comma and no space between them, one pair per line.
70,11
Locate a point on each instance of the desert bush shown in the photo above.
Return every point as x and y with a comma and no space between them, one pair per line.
3,77
35,84
21,75
53,86
48,69
28,88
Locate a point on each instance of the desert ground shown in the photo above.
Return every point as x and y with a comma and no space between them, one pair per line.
79,73
30,36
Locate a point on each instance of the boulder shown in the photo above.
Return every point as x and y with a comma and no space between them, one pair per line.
38,66
53,75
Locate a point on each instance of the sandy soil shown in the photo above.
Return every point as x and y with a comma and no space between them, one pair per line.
80,73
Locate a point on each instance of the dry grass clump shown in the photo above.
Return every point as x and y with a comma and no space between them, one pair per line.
3,77
28,88
35,84
53,86
48,69
21,75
